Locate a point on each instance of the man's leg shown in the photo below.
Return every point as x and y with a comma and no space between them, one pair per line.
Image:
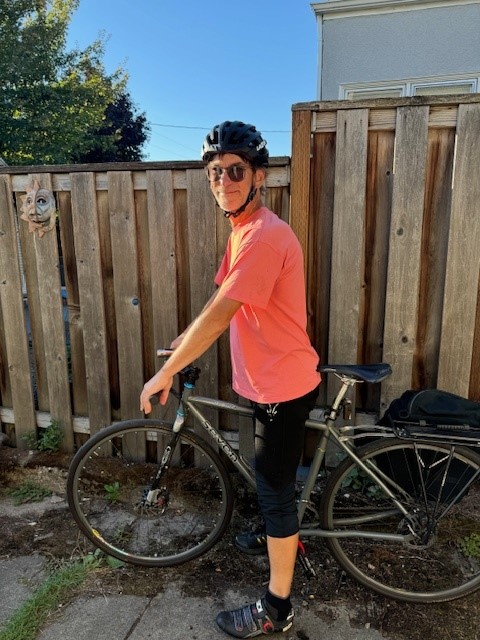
278,446
282,554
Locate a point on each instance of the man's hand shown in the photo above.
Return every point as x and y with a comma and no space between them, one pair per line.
161,383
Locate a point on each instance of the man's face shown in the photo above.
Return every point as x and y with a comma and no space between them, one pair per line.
229,192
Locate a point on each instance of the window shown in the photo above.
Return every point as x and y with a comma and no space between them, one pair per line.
469,83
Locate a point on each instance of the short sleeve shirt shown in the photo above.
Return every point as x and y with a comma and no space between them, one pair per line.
272,358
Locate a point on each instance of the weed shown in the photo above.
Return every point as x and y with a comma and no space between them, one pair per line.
29,491
112,491
49,439
470,546
358,480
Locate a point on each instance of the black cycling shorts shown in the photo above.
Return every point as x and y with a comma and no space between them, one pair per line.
279,436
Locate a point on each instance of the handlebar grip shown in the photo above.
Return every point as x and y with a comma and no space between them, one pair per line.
154,400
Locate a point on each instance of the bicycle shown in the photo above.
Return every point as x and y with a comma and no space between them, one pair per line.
399,514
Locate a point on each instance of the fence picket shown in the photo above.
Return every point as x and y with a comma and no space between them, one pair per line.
11,300
92,312
405,243
51,312
126,290
463,266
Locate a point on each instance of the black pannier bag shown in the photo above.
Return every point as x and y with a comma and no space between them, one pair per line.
436,416
433,408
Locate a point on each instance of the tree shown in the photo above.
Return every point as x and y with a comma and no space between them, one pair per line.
121,137
51,100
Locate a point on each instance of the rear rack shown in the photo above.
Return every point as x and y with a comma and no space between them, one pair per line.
462,434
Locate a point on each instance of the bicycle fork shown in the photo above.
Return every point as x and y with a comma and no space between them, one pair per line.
158,496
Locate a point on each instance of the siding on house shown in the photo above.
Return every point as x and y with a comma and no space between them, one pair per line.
380,41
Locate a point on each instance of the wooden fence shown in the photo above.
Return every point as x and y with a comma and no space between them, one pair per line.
386,200
384,196
136,252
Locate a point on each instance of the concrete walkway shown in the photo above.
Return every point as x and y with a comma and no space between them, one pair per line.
169,616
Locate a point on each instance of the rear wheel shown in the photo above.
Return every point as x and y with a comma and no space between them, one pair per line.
109,479
439,487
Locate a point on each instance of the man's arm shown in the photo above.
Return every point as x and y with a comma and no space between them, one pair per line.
197,338
179,339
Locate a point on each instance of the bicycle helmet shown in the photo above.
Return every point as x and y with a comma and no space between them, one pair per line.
238,138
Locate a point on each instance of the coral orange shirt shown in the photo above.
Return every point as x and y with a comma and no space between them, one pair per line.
272,358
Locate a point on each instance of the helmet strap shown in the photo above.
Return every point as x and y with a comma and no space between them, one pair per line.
250,197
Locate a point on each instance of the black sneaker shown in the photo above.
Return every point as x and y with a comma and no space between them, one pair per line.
251,621
251,542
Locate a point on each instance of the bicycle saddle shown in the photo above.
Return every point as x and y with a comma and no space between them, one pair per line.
366,372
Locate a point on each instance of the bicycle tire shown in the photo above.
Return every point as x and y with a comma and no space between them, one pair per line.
107,483
441,561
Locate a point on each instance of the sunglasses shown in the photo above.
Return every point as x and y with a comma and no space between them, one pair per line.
236,172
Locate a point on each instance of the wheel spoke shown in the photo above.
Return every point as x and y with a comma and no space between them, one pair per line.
438,487
110,480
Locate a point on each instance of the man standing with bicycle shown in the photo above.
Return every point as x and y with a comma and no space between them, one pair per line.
261,297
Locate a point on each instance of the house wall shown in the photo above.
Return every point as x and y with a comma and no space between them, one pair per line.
367,46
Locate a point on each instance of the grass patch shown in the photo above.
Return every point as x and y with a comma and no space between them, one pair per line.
59,587
31,616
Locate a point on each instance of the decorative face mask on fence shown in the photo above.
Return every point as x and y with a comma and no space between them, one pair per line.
38,209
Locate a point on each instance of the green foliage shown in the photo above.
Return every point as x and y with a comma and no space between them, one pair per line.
121,136
98,558
29,491
52,101
112,492
27,621
470,546
49,439
358,480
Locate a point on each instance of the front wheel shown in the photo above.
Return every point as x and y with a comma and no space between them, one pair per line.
433,553
109,480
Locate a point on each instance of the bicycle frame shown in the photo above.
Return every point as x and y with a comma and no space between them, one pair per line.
190,403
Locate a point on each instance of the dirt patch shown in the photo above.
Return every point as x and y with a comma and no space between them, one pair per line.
47,528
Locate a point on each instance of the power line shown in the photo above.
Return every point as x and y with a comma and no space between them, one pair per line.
178,126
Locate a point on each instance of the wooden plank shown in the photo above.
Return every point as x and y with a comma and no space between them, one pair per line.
70,281
377,230
90,292
161,228
434,255
387,103
278,174
14,324
126,291
5,388
440,117
474,390
32,302
103,214
320,252
162,264
300,179
401,308
202,220
51,311
348,235
463,265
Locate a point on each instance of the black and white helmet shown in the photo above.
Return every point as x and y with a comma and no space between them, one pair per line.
238,138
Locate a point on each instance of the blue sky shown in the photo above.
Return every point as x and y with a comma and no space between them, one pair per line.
193,63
